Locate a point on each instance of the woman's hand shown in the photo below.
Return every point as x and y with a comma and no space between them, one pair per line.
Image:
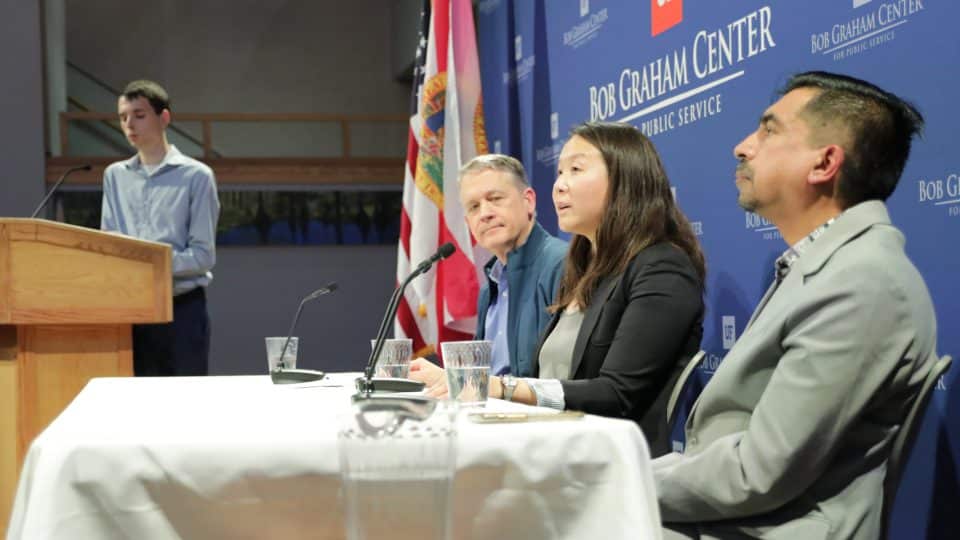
433,376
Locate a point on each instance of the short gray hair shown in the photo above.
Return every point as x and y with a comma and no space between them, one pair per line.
500,163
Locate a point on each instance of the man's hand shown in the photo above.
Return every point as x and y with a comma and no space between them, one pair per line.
433,376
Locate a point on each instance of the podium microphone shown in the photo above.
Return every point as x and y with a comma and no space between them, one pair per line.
56,186
282,375
368,384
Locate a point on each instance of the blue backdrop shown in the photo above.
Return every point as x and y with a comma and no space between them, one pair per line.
695,76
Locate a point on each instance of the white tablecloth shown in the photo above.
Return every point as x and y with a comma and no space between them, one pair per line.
237,457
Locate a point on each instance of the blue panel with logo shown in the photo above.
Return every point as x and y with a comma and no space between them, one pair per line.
497,66
695,77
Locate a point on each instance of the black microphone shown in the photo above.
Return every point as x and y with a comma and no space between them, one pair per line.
443,252
57,186
367,383
282,375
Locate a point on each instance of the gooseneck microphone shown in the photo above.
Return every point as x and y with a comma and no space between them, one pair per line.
368,384
56,186
283,375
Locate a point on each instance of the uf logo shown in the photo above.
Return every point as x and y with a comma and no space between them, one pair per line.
554,125
664,15
584,7
518,48
729,325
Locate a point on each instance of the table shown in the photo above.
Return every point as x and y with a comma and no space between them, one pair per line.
238,457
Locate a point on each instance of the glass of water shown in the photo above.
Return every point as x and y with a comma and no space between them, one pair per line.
394,359
467,365
275,345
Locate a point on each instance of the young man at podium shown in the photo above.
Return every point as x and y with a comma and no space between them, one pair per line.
164,196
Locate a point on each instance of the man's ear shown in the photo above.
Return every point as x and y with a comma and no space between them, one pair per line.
165,116
530,196
827,168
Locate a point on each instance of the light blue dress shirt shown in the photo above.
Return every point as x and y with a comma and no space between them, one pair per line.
177,204
495,325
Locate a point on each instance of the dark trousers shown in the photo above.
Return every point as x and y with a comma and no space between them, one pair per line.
181,347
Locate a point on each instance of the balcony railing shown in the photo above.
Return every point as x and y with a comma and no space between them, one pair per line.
341,159
272,190
206,121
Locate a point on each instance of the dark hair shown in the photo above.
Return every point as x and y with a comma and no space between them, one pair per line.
640,211
153,92
880,128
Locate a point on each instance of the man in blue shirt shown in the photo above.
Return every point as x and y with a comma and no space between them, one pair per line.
524,273
164,196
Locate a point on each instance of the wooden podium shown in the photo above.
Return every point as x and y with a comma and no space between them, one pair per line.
68,297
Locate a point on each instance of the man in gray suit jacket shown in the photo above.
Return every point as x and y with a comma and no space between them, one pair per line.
789,440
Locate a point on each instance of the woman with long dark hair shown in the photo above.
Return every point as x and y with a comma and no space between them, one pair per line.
629,311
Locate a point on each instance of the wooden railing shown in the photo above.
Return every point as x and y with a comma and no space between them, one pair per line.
206,119
306,170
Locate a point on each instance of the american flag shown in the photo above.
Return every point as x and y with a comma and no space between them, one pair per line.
446,131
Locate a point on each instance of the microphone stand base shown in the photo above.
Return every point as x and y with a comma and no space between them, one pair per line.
293,376
387,384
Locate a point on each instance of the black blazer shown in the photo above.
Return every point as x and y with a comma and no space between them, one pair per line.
639,331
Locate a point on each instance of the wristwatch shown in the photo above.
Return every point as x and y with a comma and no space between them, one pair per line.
509,383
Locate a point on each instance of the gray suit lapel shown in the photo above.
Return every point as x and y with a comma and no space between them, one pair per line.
854,221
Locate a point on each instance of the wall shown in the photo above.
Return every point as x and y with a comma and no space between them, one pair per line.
252,56
277,56
21,107
256,291
244,55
